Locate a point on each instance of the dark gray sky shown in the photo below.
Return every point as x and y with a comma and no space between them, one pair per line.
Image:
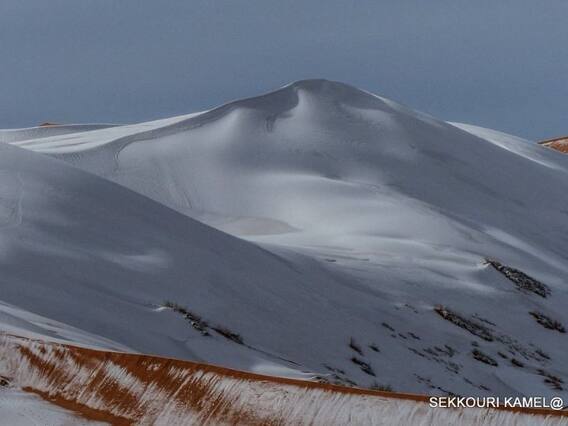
500,64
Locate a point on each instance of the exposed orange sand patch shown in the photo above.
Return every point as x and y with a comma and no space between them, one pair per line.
559,144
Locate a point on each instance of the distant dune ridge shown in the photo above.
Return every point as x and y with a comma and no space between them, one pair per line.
318,232
559,144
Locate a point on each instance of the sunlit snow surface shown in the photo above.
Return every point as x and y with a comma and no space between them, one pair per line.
354,216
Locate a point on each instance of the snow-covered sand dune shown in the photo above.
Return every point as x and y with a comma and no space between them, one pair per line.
45,131
99,258
126,388
363,233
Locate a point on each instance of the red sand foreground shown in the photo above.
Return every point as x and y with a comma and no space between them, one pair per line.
125,388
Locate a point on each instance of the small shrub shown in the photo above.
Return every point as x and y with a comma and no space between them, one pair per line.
374,348
353,345
449,350
521,280
547,322
228,334
542,354
414,336
366,368
467,324
486,359
517,363
379,387
335,370
174,306
554,381
194,319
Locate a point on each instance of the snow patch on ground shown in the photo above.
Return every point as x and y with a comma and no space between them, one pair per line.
18,408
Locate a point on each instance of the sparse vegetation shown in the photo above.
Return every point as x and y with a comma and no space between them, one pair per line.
547,322
366,368
380,387
440,356
485,320
554,381
450,351
486,359
521,280
353,345
337,377
542,354
417,352
446,350
516,348
194,319
335,370
414,336
517,363
453,367
201,325
374,348
228,334
467,324
340,380
429,383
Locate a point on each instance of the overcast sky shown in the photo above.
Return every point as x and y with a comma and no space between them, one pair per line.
500,64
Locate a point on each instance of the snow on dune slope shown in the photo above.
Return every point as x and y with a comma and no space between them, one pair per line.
97,257
381,219
16,321
318,146
79,136
125,388
515,144
20,135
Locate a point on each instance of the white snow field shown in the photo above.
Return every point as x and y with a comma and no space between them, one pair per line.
359,231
